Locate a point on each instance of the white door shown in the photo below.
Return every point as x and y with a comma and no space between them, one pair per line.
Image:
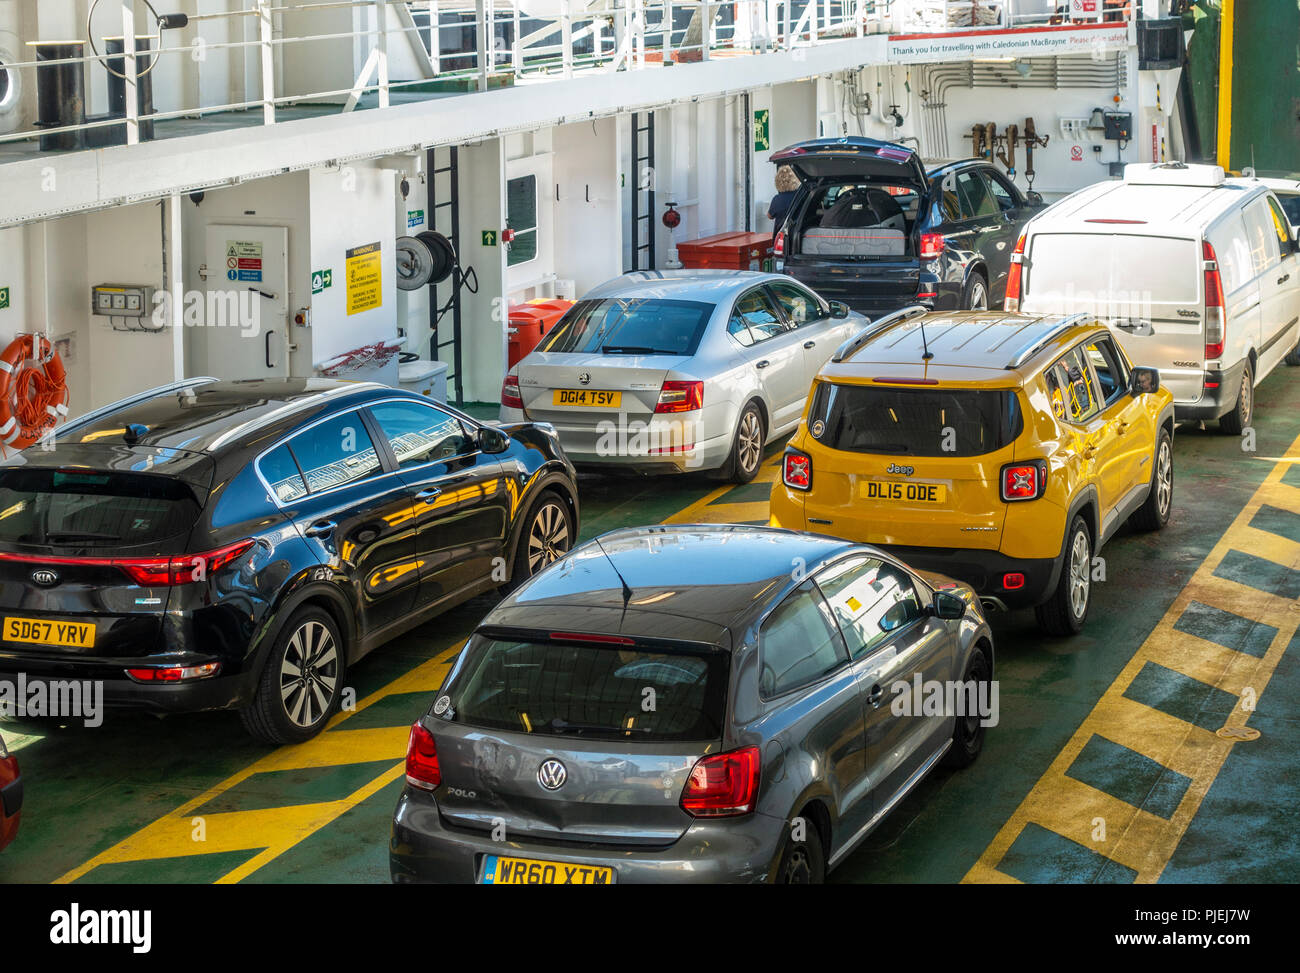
245,321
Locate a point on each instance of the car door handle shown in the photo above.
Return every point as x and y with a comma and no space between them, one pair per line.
1121,428
762,364
429,495
876,695
810,344
321,528
269,363
1284,278
1089,452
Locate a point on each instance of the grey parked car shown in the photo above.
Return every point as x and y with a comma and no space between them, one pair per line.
689,703
679,370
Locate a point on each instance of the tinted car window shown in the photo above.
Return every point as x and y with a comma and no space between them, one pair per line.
281,472
1291,206
420,434
631,325
1070,387
799,643
914,422
758,313
73,509
1002,194
591,691
871,600
337,451
976,201
800,307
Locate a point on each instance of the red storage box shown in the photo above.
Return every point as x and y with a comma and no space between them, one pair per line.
530,322
727,251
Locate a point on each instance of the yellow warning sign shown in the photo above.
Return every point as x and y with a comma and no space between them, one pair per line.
365,279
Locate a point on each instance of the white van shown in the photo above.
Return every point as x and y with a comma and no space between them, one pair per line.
1198,276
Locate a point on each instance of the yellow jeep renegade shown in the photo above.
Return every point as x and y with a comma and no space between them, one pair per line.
1000,449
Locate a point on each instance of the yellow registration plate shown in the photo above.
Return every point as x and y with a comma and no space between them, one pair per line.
500,870
895,491
589,398
80,635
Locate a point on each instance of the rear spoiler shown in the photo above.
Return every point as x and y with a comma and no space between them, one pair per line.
874,328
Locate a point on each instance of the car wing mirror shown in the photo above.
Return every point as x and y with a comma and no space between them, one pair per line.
1143,380
492,440
946,605
839,309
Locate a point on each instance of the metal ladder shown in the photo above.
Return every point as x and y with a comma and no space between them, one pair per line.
643,206
444,337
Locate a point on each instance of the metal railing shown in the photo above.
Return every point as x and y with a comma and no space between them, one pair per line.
447,45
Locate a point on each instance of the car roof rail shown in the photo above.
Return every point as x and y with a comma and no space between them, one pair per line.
874,328
104,410
1042,341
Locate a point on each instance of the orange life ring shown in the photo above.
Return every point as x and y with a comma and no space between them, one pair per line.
33,390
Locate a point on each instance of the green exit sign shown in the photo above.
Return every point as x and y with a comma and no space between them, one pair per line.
4,298
320,280
489,238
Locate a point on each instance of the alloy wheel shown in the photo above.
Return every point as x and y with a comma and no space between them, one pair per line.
1080,574
309,674
979,297
1164,478
750,441
548,538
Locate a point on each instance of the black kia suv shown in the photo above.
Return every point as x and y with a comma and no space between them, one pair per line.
213,545
874,226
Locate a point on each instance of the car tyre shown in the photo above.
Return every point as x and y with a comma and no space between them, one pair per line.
547,536
747,445
802,862
1244,411
1154,513
1293,356
968,734
301,682
1065,612
975,294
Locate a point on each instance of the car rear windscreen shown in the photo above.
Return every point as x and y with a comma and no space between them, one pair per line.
642,326
914,422
607,692
1098,270
87,509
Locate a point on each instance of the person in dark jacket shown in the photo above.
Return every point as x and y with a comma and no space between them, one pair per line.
786,185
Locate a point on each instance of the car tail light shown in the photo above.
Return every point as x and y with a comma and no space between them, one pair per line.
174,673
1012,302
680,397
1013,581
422,768
153,572
1215,313
778,245
723,785
796,470
1024,481
510,396
932,245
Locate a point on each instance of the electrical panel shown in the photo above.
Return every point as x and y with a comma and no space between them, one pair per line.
1119,126
122,300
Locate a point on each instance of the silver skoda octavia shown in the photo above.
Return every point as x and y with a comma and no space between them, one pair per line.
672,371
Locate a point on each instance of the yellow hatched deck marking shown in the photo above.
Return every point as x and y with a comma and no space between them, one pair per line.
1136,838
276,830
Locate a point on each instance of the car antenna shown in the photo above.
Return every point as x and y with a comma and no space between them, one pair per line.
925,344
627,592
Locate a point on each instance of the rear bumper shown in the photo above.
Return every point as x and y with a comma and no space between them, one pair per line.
712,447
1214,401
110,687
984,571
423,850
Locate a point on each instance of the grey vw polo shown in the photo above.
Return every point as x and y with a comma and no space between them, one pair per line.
689,703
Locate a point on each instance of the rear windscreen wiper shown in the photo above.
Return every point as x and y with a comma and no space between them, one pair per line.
630,350
564,726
